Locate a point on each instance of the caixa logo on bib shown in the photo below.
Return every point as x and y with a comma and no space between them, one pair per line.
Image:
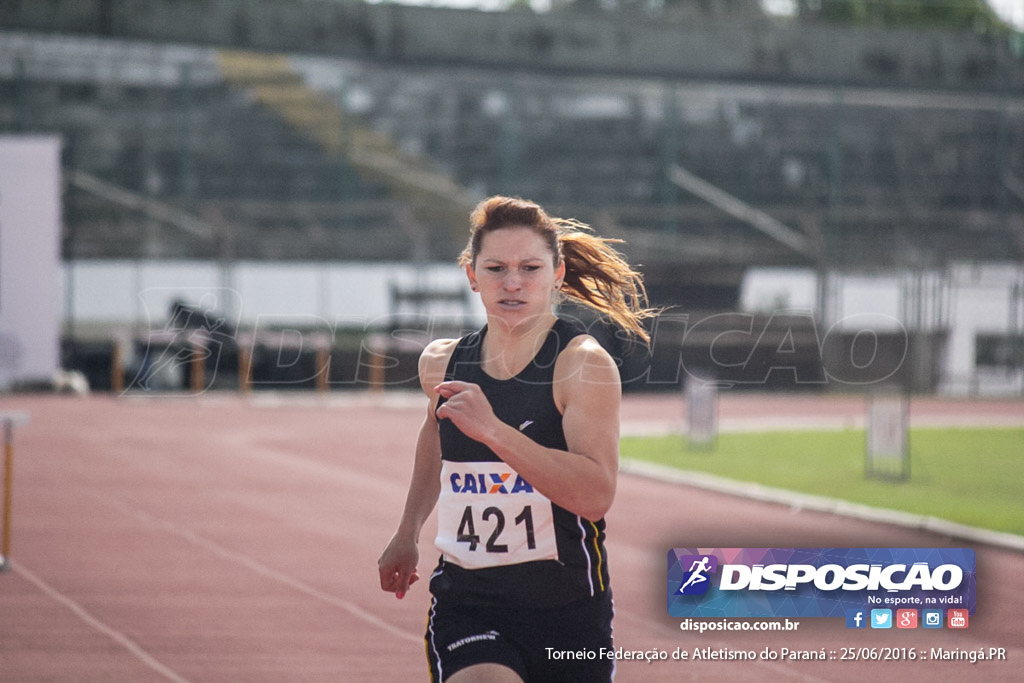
816,582
488,482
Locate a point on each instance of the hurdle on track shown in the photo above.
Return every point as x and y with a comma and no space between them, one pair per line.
10,420
195,350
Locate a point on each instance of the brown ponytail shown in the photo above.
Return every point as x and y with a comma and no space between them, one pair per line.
596,275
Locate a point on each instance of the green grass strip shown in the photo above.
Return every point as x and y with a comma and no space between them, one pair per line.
968,476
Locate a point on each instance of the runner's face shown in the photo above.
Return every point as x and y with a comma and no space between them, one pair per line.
515,274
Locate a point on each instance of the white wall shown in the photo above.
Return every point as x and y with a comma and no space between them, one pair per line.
30,191
983,304
140,293
976,299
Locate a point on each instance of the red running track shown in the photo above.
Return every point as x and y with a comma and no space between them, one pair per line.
225,539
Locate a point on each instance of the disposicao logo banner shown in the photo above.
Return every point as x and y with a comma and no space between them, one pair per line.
817,582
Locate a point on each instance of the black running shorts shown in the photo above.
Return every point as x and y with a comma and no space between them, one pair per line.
569,643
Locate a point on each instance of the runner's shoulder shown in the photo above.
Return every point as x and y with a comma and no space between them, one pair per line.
584,351
434,362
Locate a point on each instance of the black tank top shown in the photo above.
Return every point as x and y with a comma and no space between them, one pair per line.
526,402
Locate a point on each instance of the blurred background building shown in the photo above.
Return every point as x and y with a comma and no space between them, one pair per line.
825,193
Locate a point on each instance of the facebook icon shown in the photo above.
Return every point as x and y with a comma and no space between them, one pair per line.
856,618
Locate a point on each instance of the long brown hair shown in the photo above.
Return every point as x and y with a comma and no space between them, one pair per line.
596,275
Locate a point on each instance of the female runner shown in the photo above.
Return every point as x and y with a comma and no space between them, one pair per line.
519,451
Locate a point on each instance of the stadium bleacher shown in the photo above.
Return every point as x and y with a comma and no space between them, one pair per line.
218,143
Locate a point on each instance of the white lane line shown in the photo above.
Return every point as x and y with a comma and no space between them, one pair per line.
92,621
262,569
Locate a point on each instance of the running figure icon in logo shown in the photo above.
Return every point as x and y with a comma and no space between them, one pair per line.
696,581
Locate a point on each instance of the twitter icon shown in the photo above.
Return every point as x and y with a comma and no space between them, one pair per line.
881,618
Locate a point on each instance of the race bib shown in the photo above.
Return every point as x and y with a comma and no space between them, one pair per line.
489,516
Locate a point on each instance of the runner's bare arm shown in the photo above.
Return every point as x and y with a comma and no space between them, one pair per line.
398,563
